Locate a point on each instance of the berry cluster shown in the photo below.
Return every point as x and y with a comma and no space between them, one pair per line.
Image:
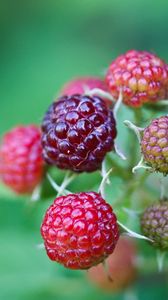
78,130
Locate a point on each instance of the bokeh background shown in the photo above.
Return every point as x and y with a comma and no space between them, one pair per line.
43,44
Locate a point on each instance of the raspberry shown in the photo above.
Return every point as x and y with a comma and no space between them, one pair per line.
78,131
120,267
79,85
154,144
154,224
79,230
21,164
142,76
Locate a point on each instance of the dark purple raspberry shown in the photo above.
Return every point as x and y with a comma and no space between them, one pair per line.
154,224
78,131
79,230
154,144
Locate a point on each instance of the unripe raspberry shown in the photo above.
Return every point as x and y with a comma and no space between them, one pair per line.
79,230
120,267
82,84
154,224
142,77
154,144
21,163
78,131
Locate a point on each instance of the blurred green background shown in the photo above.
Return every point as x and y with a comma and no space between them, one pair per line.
43,45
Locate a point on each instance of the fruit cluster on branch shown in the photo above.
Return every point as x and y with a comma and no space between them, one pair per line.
77,134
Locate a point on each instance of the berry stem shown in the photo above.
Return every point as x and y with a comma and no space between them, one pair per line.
141,165
103,183
69,177
100,93
131,212
104,171
106,269
133,233
118,105
56,187
136,130
119,152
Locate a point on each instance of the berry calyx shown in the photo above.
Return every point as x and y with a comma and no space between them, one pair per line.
21,163
142,77
79,230
82,85
120,271
78,131
154,224
154,144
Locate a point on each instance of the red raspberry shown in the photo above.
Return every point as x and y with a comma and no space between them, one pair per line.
78,131
21,164
120,267
142,76
79,230
154,144
79,85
